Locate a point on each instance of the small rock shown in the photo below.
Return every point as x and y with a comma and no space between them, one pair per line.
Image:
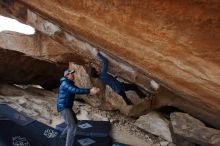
114,121
99,117
164,143
83,115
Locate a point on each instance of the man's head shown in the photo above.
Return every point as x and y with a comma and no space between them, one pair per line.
94,72
69,74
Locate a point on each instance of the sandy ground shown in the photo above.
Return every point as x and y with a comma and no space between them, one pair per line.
41,105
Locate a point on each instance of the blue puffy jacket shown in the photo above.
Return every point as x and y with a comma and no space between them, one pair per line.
67,93
106,78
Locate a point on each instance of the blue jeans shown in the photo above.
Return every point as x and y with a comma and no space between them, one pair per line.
71,122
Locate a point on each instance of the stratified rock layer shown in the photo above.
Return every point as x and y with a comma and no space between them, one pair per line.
39,46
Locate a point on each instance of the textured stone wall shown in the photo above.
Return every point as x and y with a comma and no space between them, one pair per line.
175,42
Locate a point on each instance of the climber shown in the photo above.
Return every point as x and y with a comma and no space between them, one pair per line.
65,99
117,86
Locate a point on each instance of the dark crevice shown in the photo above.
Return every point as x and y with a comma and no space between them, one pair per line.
167,110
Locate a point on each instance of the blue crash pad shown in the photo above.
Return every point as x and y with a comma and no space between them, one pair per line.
10,113
119,144
34,133
92,141
60,127
90,128
11,132
43,133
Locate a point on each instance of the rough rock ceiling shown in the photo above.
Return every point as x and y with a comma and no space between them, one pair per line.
175,42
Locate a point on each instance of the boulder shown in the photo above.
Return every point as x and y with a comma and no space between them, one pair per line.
36,103
191,129
156,124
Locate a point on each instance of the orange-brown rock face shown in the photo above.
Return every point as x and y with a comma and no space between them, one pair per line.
175,42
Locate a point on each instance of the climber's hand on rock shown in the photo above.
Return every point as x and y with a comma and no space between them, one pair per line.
94,90
94,51
154,85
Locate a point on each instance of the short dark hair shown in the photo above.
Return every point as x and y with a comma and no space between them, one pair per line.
93,72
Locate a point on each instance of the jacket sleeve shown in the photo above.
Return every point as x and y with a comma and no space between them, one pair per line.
104,62
75,90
